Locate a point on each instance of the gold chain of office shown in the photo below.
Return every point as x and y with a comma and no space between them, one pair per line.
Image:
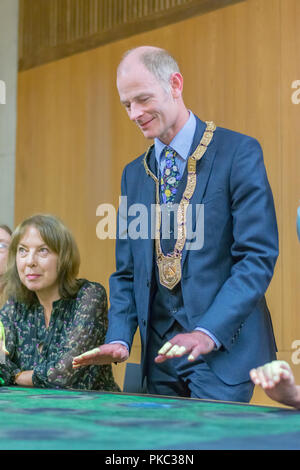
169,266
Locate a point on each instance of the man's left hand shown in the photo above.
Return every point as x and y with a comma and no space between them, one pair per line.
194,344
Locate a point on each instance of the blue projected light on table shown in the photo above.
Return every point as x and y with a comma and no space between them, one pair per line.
298,222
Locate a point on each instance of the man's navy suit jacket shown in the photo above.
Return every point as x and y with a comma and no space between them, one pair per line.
223,283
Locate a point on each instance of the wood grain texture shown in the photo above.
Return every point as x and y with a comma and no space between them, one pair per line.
290,176
74,138
52,29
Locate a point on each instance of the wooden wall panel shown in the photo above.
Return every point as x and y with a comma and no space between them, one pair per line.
52,29
290,196
74,138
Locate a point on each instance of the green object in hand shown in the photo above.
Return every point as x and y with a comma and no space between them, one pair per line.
2,332
2,339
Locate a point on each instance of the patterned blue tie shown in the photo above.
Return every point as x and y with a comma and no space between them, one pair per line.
170,176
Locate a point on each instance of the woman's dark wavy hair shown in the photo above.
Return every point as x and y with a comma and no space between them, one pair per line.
60,240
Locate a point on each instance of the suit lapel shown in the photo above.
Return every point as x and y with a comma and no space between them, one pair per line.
147,198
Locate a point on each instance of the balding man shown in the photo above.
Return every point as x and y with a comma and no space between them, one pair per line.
196,286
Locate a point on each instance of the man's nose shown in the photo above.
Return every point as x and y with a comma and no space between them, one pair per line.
135,111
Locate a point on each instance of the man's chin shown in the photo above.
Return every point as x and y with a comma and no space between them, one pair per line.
148,134
148,131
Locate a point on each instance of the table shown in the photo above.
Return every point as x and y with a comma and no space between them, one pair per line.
42,419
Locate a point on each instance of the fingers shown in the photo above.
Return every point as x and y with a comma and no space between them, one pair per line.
92,353
105,354
194,344
168,351
85,358
260,376
172,350
195,352
284,367
281,371
271,374
165,348
176,351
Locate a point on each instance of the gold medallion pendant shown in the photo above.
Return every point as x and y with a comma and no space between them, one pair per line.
169,270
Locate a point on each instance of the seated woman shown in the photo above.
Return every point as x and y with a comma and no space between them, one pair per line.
50,316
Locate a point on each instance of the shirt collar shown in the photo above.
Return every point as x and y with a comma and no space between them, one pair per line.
182,141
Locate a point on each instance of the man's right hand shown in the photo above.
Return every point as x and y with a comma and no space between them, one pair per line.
105,354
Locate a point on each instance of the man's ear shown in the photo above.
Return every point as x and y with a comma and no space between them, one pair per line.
176,83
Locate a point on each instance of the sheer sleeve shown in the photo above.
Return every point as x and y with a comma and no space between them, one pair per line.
86,331
9,368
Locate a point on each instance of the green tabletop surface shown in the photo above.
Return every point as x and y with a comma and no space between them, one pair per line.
41,419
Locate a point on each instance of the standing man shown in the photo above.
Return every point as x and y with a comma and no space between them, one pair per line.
200,307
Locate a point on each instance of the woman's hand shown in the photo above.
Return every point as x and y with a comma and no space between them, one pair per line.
24,378
105,354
